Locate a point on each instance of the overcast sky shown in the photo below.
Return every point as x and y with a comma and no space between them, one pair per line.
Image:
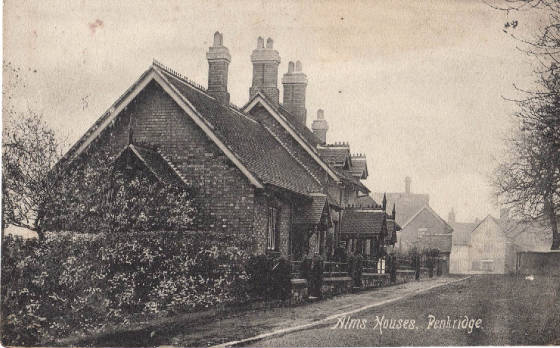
416,85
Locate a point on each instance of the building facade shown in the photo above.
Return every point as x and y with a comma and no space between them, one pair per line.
421,227
256,170
490,245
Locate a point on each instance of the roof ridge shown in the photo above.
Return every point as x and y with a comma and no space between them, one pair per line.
291,154
197,87
180,76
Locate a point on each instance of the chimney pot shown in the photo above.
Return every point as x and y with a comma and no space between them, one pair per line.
269,43
260,42
320,127
218,39
298,66
290,67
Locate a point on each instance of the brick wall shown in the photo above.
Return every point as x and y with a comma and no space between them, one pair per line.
260,223
424,232
284,218
223,192
284,226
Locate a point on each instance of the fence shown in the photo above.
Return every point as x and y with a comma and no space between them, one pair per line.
341,269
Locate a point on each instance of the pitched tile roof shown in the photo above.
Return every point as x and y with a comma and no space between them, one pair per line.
363,222
335,156
359,166
299,132
307,134
347,176
428,209
406,205
311,212
255,146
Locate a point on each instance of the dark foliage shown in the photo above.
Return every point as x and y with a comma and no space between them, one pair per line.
71,284
268,278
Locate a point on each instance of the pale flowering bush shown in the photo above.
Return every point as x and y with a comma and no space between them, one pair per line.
74,284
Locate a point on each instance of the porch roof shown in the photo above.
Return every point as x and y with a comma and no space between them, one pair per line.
366,223
311,212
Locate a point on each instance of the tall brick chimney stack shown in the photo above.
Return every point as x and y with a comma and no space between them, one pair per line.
218,63
295,83
407,182
265,70
320,126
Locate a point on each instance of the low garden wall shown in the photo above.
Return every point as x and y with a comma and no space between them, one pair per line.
375,280
539,263
405,275
336,285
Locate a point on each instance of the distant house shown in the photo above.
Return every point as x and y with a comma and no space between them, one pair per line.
421,227
490,251
490,245
459,260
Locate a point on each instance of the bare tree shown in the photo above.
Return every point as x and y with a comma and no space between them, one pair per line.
29,151
528,178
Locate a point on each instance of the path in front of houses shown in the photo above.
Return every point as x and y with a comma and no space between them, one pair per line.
240,326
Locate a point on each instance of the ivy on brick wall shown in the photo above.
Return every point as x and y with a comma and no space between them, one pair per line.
104,194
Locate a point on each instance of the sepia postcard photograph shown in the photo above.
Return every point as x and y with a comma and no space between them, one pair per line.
280,173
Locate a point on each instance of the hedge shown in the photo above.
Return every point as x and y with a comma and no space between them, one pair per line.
76,284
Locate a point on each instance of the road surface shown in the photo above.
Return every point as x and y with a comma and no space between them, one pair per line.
484,310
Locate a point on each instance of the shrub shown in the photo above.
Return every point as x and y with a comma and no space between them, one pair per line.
259,273
268,278
281,275
73,283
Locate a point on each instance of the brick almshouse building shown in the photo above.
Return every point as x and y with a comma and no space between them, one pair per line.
258,168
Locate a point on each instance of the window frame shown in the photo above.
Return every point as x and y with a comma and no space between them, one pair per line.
272,229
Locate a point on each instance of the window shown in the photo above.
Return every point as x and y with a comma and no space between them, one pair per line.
272,233
487,265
